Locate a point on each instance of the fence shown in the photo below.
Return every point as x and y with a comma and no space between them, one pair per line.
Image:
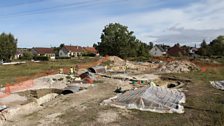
10,88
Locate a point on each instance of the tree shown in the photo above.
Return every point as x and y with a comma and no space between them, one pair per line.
186,50
117,40
204,49
57,49
150,45
204,44
143,50
217,46
8,46
61,45
95,45
214,48
164,47
27,55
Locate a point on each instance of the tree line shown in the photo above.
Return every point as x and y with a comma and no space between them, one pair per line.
116,40
214,48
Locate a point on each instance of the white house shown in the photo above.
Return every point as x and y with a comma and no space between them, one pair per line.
157,51
193,50
70,51
18,54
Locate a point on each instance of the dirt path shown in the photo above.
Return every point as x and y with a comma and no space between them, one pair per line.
56,112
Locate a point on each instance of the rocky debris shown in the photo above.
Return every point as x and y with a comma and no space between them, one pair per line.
125,85
218,84
117,61
150,77
178,67
46,98
140,66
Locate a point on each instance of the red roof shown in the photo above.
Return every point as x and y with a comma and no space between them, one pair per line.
175,51
90,50
73,48
44,50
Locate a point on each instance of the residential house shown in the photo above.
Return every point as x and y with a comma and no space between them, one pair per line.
176,50
157,51
70,51
90,50
20,52
193,50
49,52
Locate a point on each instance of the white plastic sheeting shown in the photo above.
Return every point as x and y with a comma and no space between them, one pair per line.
151,98
218,84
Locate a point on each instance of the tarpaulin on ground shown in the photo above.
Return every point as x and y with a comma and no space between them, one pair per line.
151,98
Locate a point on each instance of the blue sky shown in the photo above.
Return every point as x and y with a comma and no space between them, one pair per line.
47,23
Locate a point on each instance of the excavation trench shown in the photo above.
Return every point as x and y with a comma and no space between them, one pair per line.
39,92
42,92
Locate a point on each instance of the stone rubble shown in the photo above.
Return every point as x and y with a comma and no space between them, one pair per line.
178,67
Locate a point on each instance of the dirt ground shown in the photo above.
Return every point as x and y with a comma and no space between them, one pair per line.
84,109
58,111
204,105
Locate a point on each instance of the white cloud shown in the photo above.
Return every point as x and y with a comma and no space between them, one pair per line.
189,24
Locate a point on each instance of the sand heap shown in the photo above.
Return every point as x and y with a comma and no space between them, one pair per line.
144,66
178,67
140,66
117,61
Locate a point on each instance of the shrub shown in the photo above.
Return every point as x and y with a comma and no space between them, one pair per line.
63,58
41,58
89,54
27,56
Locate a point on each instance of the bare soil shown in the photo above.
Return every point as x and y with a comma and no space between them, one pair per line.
58,111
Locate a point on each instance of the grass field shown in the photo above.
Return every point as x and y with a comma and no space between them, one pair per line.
14,73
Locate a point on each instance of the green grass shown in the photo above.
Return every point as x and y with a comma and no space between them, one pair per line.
10,73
